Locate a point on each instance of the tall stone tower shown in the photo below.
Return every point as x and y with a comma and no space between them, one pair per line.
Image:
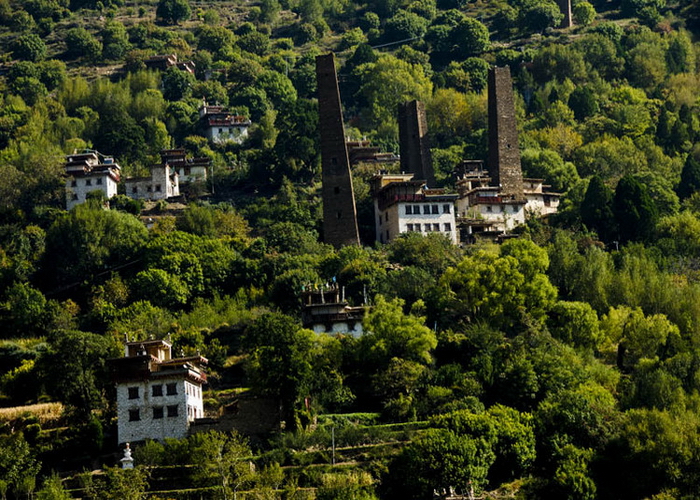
565,7
504,152
414,144
339,213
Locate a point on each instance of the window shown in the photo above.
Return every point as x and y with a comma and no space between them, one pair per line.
446,209
171,389
187,170
409,227
157,390
386,216
75,197
158,187
73,183
172,410
88,182
221,131
338,214
488,208
426,227
436,227
134,415
157,412
98,181
149,188
409,210
133,392
435,209
448,227
334,161
417,227
426,209
336,190
416,209
503,208
380,220
134,190
387,235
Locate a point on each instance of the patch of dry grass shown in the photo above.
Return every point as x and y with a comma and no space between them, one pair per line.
45,412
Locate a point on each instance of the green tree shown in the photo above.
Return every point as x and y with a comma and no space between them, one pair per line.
404,25
574,323
89,240
173,11
80,43
498,289
438,460
469,37
29,48
634,210
53,489
279,363
390,333
584,13
596,209
538,16
690,178
177,84
18,466
224,460
74,369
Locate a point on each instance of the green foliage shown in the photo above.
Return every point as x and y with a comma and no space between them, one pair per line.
29,48
279,363
78,381
499,289
392,334
173,11
634,210
584,13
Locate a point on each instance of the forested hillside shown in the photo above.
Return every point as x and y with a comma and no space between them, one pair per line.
561,364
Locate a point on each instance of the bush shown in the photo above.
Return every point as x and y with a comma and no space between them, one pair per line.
29,48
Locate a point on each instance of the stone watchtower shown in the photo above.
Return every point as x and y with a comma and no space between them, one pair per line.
413,140
565,7
504,152
339,213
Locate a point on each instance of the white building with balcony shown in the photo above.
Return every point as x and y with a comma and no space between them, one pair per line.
87,172
403,205
158,396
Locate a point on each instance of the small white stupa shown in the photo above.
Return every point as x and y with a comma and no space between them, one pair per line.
127,461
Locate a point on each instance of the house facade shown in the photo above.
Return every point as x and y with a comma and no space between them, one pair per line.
163,183
221,126
189,170
158,396
483,209
403,205
327,311
87,172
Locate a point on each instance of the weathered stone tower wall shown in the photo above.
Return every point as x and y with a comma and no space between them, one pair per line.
565,7
413,140
339,213
504,152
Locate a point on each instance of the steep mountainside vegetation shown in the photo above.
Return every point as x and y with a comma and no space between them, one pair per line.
563,364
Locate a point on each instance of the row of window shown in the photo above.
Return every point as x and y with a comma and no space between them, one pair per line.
158,412
156,390
149,189
88,182
427,209
447,227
